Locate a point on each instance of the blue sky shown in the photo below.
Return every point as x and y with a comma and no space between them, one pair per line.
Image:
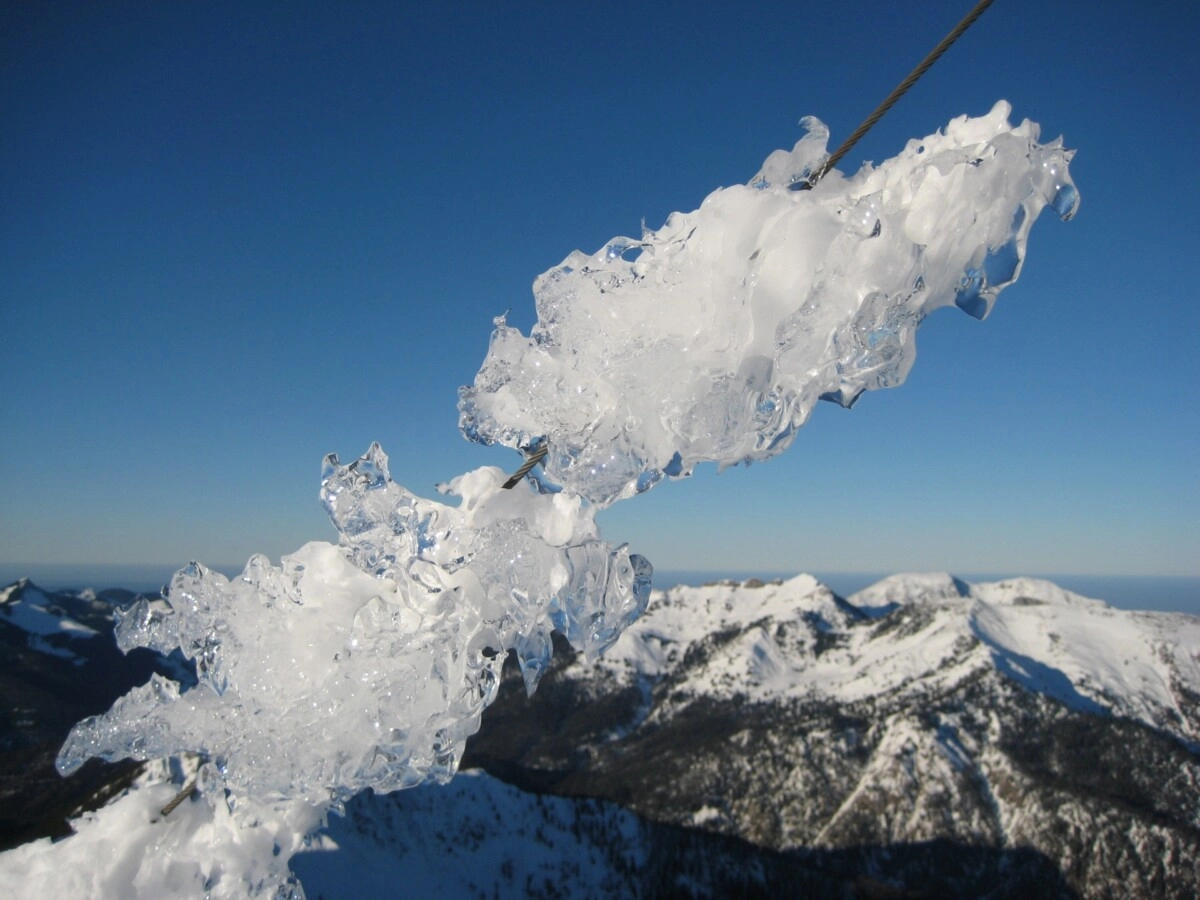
237,236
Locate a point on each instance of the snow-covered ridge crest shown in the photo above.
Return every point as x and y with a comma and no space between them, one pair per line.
26,606
48,628
797,640
909,587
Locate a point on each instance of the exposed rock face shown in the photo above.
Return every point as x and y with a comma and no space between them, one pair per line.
927,732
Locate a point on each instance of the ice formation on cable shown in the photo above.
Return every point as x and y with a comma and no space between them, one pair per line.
368,663
712,338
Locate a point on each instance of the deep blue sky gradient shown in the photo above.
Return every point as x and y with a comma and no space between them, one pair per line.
237,236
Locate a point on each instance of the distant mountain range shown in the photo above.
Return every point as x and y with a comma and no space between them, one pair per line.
59,663
923,737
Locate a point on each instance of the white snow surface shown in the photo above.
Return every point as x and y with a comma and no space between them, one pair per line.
27,608
369,662
457,840
1085,652
796,640
128,849
471,837
30,613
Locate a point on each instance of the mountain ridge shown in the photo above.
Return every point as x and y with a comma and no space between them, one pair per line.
1052,640
922,709
59,663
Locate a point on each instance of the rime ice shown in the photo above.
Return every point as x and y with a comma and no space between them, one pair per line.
712,338
369,662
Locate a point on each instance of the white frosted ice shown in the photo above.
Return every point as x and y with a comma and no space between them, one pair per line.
712,338
368,663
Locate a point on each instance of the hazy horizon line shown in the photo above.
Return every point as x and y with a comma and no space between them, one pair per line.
230,568
1163,593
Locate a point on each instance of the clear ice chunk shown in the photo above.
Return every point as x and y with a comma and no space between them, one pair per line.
715,341
369,663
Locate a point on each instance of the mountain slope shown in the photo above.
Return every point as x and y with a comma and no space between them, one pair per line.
58,664
923,710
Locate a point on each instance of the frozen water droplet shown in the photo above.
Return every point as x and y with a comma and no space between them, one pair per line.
864,219
533,656
1066,202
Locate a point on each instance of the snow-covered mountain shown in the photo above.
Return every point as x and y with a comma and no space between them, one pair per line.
924,737
28,613
922,713
58,664
796,640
